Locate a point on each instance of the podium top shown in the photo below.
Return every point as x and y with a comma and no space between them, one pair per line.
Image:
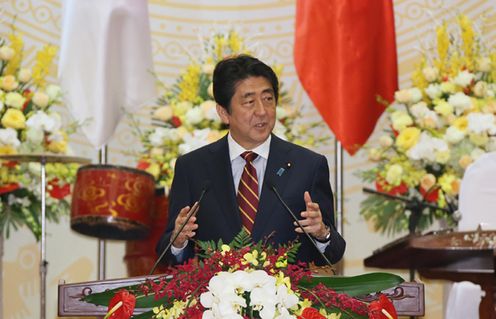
45,158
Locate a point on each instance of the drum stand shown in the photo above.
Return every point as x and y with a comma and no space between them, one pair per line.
43,159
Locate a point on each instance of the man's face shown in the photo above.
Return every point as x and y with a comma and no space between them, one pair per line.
253,112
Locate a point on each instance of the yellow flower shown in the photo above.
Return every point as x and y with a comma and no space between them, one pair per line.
393,175
479,139
401,120
190,83
461,123
465,161
16,43
282,262
154,169
408,138
282,280
7,150
442,107
251,258
14,100
58,146
449,184
9,83
443,156
13,118
44,59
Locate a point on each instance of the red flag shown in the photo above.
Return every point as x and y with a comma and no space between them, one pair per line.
345,56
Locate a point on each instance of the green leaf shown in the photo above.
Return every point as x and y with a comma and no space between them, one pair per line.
356,285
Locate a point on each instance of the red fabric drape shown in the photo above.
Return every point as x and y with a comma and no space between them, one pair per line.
345,55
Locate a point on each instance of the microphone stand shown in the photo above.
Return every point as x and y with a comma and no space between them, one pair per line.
415,206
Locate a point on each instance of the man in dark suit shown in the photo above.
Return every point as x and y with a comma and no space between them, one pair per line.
241,170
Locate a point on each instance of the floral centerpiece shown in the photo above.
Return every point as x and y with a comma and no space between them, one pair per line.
440,125
245,280
28,125
186,118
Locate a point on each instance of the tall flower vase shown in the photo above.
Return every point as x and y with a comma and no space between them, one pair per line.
140,254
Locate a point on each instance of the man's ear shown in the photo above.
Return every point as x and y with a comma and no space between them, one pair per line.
224,115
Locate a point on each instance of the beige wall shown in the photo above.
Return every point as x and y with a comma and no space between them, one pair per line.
175,28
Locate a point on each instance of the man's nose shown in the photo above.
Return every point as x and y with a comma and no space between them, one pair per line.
259,107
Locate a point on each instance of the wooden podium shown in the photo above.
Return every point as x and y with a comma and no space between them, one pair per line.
448,255
408,298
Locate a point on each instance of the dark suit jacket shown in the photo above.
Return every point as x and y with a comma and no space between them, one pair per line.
219,217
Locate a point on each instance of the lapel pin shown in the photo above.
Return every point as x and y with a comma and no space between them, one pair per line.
280,171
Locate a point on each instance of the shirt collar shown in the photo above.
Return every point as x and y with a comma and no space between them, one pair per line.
236,150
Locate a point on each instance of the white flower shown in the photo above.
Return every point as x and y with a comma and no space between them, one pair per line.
54,92
194,140
42,121
161,134
460,102
8,136
464,78
34,135
430,73
14,100
419,109
401,120
41,99
434,91
163,113
453,135
427,147
210,110
6,53
408,96
386,141
194,116
24,75
481,89
481,122
484,64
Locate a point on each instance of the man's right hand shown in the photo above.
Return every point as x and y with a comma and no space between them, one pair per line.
188,230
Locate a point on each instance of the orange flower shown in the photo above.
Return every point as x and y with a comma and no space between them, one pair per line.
311,313
121,306
382,308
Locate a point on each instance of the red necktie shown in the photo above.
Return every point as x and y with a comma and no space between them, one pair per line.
248,191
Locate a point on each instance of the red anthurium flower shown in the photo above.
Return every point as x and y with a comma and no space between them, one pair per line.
176,121
10,164
57,191
431,196
382,308
310,313
142,164
121,306
397,190
7,188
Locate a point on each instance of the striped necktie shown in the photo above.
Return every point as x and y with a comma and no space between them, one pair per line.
248,191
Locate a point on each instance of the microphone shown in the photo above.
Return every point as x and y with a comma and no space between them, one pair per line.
271,185
191,212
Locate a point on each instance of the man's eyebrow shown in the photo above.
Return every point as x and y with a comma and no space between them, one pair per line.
250,94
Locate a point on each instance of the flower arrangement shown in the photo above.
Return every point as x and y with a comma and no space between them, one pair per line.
440,125
186,118
29,126
245,280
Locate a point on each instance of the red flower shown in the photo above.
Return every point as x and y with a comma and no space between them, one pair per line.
431,195
397,190
310,313
176,121
57,191
125,311
382,308
10,164
142,164
7,188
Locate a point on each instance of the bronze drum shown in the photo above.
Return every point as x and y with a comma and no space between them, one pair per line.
112,202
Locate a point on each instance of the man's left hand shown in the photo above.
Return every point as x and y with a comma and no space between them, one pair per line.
312,219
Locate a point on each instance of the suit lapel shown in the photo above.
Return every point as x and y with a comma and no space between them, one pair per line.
275,172
223,184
